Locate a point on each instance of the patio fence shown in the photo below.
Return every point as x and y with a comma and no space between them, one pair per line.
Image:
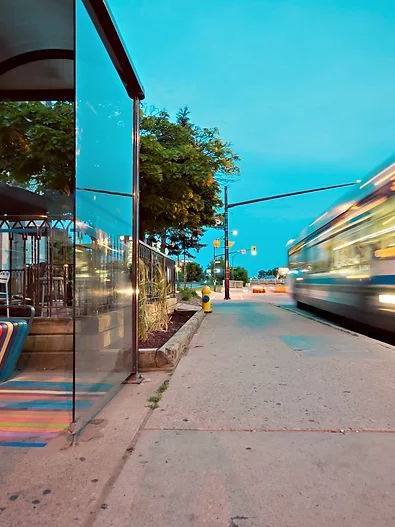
156,267
37,268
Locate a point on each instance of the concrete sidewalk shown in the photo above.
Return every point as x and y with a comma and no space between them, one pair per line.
272,419
63,484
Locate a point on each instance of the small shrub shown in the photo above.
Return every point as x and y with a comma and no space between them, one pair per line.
153,313
187,293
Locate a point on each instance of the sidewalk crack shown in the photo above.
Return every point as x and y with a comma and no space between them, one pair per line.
272,430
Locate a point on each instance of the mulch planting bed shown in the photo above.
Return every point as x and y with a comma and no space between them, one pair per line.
158,338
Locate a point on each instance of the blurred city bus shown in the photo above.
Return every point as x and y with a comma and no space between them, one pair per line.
344,261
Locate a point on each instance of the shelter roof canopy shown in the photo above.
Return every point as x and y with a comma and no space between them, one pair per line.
37,49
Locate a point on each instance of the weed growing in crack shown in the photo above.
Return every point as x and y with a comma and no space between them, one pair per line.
153,401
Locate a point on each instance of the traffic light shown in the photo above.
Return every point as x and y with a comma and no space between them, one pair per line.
253,250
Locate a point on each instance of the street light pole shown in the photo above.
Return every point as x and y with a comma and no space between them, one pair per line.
232,266
213,270
226,239
227,206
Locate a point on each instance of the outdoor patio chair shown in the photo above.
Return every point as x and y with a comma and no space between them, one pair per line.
4,296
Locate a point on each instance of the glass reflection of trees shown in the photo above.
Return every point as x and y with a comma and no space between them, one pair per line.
36,206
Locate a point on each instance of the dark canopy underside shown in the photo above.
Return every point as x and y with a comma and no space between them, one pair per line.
15,201
37,49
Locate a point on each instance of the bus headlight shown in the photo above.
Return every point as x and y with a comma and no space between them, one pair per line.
387,299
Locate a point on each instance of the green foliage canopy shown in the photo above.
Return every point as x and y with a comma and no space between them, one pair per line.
194,272
37,146
236,273
268,272
239,273
180,164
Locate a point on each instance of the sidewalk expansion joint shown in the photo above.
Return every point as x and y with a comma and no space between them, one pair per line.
271,430
97,506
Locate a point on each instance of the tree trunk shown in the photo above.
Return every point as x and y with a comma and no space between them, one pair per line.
141,230
185,270
163,241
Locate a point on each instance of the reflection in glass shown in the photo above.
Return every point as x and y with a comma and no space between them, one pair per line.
103,224
36,249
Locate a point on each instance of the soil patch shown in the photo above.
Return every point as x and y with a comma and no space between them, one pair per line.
158,338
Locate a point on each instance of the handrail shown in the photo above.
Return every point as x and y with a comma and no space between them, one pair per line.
155,250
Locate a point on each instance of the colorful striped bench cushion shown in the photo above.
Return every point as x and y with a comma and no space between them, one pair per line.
36,407
13,334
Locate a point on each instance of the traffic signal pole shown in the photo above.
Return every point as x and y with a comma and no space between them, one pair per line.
227,206
213,270
226,239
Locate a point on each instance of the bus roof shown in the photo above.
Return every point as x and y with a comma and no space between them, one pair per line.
374,180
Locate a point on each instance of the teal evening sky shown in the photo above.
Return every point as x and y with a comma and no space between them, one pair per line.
303,89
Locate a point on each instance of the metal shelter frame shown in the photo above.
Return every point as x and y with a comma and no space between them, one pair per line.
37,63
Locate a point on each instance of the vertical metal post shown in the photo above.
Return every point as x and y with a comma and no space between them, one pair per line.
135,239
151,274
10,240
51,271
24,238
73,227
213,271
164,269
226,239
184,268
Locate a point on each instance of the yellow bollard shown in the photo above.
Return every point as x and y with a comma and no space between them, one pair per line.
206,301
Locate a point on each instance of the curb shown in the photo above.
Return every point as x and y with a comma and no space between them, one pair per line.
168,355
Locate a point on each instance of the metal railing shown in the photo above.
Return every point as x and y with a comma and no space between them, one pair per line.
157,267
37,259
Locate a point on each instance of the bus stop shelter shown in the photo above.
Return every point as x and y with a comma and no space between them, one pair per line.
69,55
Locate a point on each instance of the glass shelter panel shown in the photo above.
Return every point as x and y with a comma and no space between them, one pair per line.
103,315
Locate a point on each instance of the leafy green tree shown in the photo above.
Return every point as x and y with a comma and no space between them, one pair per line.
182,116
179,168
193,272
268,272
37,146
239,273
181,242
236,273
